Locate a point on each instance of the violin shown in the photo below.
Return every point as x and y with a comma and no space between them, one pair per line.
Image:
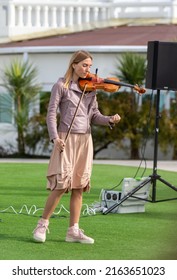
113,84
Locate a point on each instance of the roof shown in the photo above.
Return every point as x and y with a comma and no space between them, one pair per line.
114,36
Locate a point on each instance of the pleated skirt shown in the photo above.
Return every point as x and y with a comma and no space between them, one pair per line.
71,169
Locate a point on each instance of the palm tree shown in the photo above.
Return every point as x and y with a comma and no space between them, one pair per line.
131,69
20,80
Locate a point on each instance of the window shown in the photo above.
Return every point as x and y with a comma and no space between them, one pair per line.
5,108
44,101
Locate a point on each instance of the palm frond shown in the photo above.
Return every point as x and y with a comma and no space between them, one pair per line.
132,68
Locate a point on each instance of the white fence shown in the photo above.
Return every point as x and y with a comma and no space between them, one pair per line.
21,17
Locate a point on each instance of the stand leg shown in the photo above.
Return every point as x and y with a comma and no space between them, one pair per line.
155,176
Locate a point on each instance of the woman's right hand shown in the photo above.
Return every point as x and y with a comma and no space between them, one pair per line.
60,144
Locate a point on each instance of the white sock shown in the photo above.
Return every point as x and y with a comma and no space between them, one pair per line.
44,220
76,225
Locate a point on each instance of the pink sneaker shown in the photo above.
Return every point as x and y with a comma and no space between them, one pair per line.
74,234
39,233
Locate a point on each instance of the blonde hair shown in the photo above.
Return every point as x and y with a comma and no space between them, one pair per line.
76,58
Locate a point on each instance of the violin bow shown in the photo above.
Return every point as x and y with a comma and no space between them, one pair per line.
75,113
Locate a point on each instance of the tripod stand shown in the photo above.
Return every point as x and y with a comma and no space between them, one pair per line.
154,176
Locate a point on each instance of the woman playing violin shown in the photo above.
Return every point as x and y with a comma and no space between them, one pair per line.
70,163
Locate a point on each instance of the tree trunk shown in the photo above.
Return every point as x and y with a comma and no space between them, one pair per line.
21,144
175,152
134,149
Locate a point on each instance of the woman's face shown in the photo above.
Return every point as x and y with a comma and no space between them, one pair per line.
82,68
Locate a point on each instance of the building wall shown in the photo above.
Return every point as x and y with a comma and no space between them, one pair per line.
52,61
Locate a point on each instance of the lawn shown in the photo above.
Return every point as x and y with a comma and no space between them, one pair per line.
134,236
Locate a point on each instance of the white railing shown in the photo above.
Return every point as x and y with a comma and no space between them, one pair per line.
21,17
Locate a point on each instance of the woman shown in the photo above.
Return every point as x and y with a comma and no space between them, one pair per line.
70,163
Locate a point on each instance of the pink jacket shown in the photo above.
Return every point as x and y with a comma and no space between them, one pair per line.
66,101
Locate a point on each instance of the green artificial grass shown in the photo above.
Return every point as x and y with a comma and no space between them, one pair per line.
133,236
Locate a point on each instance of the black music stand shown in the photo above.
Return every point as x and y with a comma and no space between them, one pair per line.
154,176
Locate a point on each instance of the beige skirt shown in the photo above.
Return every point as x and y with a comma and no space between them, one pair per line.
72,168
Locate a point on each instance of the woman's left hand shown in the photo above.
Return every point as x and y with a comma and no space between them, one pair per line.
115,119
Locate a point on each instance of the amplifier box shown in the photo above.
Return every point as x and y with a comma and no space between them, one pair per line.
133,204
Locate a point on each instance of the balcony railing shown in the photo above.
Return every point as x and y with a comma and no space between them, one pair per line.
22,17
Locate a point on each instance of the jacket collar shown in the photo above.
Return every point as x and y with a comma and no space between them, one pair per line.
74,86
